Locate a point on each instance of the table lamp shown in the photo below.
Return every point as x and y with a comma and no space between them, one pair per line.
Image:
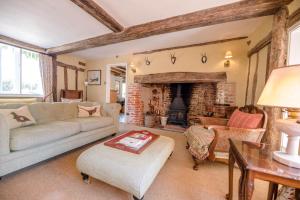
282,90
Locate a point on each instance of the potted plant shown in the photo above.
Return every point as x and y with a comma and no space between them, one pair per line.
149,119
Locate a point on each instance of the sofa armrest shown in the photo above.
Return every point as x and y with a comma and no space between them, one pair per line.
113,110
4,136
251,135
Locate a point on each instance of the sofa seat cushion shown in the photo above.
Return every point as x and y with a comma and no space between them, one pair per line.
92,123
31,136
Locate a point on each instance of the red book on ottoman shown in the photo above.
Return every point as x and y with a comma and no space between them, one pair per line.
133,141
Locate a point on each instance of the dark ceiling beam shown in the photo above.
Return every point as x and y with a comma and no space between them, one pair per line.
227,13
91,7
20,44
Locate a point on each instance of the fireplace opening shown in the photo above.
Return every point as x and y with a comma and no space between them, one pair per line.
180,95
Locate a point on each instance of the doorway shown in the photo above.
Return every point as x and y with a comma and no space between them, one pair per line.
116,86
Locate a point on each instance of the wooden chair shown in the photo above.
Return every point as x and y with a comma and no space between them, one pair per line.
71,94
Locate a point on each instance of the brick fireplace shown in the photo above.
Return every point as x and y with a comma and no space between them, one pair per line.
201,94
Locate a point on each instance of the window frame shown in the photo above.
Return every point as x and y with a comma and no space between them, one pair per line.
20,95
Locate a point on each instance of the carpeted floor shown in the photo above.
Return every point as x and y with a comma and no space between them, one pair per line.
58,179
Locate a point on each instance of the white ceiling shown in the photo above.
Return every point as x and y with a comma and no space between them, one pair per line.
51,23
133,12
47,23
191,36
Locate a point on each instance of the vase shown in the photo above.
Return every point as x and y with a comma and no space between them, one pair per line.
163,121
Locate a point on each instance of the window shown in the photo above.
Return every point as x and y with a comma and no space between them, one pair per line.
294,47
19,72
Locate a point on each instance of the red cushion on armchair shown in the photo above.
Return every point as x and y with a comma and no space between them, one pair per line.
245,120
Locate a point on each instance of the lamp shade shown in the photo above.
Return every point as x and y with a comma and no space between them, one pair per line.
228,55
282,88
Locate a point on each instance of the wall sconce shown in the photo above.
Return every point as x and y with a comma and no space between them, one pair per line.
133,69
228,55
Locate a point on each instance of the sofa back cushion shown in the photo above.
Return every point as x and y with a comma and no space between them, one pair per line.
47,112
245,120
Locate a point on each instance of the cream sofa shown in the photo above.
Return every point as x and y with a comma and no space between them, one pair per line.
58,130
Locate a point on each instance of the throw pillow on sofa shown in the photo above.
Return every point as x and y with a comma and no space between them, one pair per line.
89,111
18,117
245,120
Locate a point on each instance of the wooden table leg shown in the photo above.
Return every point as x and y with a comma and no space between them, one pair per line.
248,185
241,194
273,189
230,175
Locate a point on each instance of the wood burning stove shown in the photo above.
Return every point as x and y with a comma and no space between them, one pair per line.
177,113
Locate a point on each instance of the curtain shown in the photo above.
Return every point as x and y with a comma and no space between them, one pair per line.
46,68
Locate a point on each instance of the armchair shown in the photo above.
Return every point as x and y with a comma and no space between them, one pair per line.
208,141
223,133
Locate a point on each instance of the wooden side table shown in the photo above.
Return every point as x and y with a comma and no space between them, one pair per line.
255,162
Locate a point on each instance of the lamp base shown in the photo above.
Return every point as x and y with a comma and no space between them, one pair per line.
287,159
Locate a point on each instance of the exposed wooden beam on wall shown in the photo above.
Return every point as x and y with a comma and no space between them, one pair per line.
294,18
61,64
66,78
54,78
268,62
20,44
248,79
255,78
91,7
278,55
76,79
260,45
227,13
191,45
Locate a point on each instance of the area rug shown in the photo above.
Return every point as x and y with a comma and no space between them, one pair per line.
58,179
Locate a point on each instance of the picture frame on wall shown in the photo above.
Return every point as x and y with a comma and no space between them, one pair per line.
94,77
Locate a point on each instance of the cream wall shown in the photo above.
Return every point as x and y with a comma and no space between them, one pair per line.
188,60
261,32
294,6
71,60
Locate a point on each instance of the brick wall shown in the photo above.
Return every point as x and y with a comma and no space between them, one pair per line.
202,100
226,93
135,105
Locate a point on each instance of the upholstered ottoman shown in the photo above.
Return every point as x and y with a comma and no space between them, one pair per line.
130,172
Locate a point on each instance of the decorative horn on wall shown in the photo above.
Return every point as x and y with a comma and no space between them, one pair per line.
204,58
147,61
173,58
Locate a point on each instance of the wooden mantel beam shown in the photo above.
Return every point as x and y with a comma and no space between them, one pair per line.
227,13
91,7
181,77
20,44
